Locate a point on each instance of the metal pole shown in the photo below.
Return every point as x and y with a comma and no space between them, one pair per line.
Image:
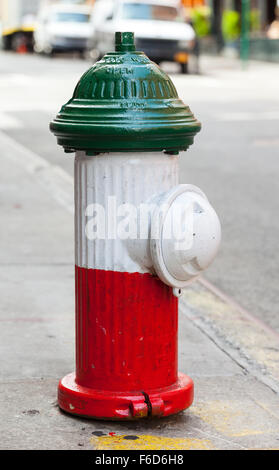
216,6
245,28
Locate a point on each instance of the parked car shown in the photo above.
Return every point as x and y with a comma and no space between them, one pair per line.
62,28
159,27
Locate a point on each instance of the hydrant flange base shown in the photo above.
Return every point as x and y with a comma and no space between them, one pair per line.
130,405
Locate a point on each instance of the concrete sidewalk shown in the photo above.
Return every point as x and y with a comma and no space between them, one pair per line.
233,359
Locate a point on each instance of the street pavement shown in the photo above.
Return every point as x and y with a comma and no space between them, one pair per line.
228,320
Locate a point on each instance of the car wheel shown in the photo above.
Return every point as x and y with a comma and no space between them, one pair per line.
18,40
184,68
6,43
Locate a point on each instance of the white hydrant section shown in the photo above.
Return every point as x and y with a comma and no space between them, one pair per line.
123,199
127,178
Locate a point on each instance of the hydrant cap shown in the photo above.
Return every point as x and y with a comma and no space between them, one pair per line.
125,102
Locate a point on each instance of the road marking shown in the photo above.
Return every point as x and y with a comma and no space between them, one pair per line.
25,107
266,142
6,80
247,116
149,442
9,122
198,81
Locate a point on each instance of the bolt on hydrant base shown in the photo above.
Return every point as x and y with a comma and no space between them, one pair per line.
128,283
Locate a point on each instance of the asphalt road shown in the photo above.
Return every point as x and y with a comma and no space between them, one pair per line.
234,159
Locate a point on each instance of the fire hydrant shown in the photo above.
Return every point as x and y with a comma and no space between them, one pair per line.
140,237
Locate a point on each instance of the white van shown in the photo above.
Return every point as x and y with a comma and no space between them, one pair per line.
63,27
160,29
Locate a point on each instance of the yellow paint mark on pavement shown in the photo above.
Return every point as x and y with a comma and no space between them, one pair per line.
149,442
233,418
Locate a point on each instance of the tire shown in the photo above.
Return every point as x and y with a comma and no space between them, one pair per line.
6,43
184,68
83,54
17,40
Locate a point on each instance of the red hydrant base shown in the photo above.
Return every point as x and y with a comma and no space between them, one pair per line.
82,401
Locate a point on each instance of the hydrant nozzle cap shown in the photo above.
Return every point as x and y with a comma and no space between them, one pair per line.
125,102
124,42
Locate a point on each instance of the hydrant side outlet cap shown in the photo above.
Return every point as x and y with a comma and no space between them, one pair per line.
125,102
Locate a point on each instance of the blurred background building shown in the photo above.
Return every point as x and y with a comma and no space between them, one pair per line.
219,24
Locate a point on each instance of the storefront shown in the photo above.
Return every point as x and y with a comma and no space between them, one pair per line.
265,9
227,25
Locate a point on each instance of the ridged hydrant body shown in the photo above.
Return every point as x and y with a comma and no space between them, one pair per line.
127,126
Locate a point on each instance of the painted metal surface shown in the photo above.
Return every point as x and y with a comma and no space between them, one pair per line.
125,102
111,181
126,317
184,255
102,404
126,349
124,186
126,310
110,305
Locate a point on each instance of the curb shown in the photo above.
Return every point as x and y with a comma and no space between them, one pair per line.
252,344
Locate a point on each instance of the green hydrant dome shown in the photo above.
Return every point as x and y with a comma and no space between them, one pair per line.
125,102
